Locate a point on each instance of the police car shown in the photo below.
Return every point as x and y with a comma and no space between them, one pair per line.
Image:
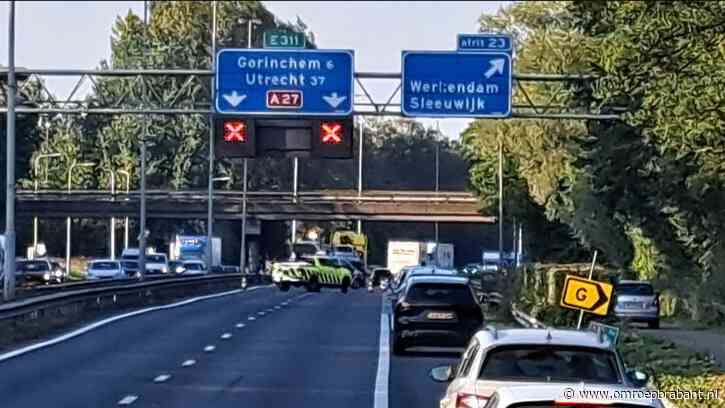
313,273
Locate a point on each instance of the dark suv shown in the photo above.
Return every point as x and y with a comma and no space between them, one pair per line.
438,311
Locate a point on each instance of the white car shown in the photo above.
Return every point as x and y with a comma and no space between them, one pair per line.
511,357
104,269
157,263
194,268
572,395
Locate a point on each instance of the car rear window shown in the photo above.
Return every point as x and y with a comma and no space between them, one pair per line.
193,266
129,264
641,289
440,293
104,266
550,363
304,249
32,266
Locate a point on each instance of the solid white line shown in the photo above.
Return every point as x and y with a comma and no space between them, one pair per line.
101,323
161,378
128,400
209,348
188,363
226,336
240,325
381,380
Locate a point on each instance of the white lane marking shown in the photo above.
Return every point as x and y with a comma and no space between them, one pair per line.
162,378
188,363
381,380
105,322
240,325
209,348
278,307
226,336
251,318
127,400
260,313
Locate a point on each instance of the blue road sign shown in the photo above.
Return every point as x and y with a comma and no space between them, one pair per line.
446,84
485,42
284,82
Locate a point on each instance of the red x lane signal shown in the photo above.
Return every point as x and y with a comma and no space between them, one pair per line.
331,132
235,131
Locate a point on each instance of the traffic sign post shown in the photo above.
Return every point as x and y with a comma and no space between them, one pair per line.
445,84
258,82
586,295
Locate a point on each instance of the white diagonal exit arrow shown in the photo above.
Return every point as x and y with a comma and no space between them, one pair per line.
334,100
495,68
234,98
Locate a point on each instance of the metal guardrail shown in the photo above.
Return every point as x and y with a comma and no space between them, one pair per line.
35,304
525,320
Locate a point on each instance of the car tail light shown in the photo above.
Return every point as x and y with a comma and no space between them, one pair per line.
465,400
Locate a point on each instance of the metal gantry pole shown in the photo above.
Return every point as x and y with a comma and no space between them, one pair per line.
243,255
361,140
500,201
295,175
142,181
125,219
437,186
210,187
9,269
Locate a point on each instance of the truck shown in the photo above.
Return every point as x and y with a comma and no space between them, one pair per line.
313,272
413,253
193,247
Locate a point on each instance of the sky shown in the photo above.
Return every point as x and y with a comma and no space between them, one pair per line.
74,34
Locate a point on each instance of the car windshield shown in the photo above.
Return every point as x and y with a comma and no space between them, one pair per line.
104,265
640,289
130,257
32,266
304,249
155,258
439,293
550,363
193,266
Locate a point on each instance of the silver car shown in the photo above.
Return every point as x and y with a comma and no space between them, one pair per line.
573,395
515,357
637,301
104,269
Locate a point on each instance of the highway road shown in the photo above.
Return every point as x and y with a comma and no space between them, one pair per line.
259,348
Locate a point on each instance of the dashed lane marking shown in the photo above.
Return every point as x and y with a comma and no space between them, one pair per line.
251,318
188,363
104,322
240,325
209,348
162,378
127,400
260,313
226,336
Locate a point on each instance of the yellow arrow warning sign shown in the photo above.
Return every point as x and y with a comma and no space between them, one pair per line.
587,295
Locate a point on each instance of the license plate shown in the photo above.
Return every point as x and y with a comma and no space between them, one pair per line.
632,305
440,316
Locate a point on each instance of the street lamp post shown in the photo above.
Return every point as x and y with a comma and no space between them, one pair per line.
125,219
113,219
36,163
68,219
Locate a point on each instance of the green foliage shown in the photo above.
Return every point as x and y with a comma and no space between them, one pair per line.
673,368
644,191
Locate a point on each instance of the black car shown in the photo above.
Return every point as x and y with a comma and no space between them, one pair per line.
130,268
37,270
435,311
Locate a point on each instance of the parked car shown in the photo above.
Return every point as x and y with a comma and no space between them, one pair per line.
38,271
438,311
514,357
637,301
104,269
194,267
565,395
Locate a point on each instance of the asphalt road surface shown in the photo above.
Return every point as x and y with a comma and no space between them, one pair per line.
260,348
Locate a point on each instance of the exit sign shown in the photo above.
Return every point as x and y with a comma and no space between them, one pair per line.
284,39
